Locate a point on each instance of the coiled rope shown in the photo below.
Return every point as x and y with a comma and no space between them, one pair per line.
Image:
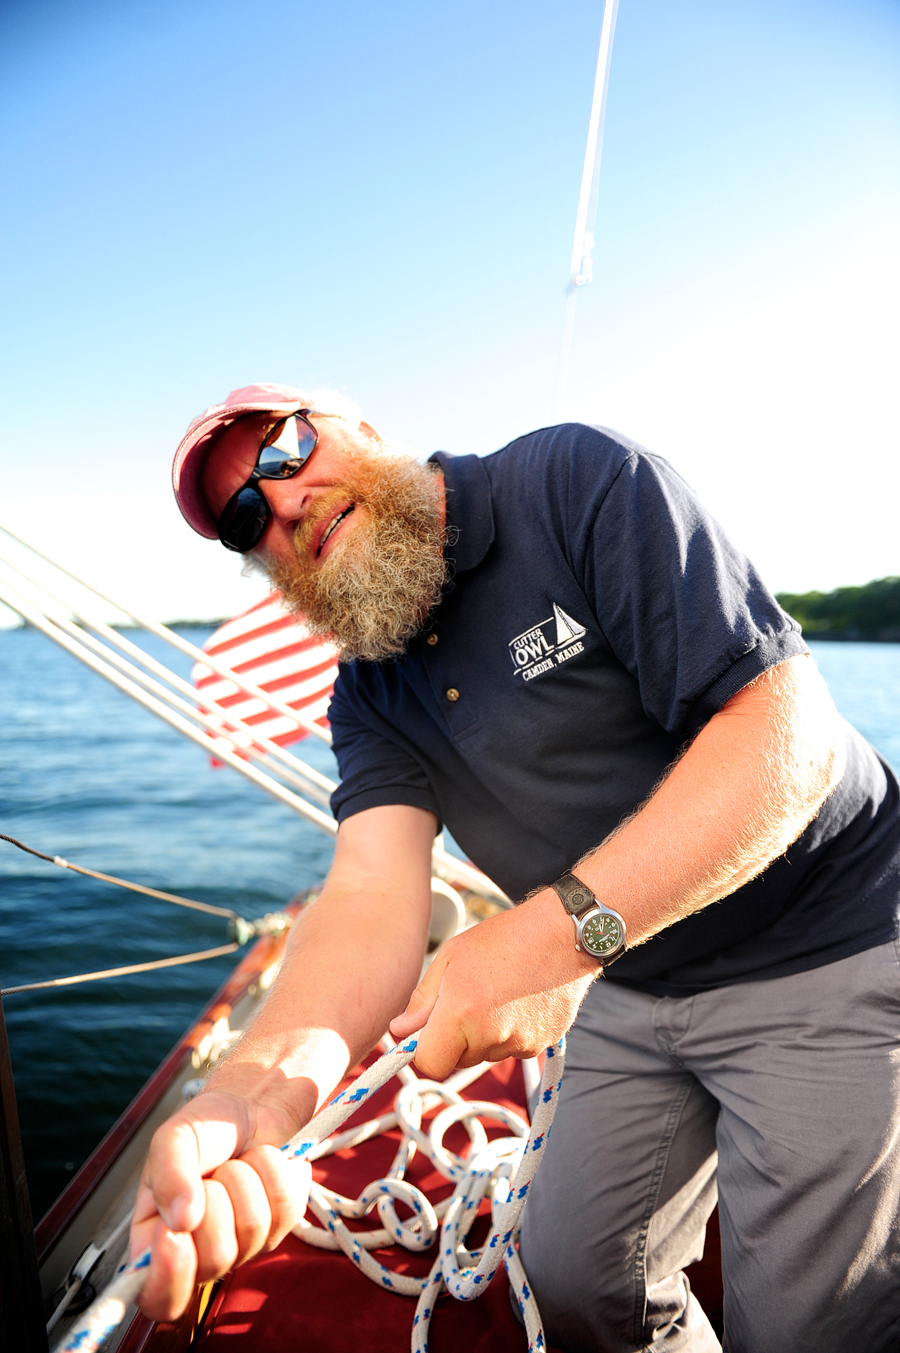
501,1170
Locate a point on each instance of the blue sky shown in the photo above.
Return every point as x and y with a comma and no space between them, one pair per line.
382,198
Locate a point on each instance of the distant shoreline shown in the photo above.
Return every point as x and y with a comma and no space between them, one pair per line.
867,614
850,637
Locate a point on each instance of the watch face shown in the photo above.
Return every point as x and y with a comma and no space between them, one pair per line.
602,934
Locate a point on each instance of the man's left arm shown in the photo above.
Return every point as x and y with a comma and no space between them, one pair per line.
744,790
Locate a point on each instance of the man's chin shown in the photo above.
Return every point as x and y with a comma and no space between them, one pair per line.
376,584
369,613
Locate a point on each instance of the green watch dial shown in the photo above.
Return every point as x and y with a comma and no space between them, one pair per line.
602,934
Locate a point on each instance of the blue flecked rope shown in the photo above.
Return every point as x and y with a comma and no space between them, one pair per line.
504,1169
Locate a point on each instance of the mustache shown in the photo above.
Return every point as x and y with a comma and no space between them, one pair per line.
341,501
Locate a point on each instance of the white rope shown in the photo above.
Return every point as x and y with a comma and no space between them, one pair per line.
80,1272
501,1170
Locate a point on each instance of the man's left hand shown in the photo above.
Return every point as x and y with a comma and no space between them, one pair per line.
509,987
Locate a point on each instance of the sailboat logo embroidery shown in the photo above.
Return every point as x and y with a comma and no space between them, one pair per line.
547,644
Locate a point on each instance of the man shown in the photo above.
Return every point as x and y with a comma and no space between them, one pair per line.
549,648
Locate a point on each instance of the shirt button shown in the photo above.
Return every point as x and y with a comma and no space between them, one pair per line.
432,639
453,694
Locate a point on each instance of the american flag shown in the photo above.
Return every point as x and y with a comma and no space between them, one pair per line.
276,652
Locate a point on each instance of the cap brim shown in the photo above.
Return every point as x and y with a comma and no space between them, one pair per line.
194,447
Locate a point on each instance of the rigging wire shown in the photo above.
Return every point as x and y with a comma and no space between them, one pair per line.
150,966
219,723
241,930
238,738
125,883
189,730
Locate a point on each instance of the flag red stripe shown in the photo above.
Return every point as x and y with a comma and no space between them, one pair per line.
266,715
285,622
263,659
319,671
271,688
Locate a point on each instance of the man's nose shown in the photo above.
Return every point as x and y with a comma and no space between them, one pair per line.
284,496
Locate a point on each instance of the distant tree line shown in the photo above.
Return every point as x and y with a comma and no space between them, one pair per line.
869,612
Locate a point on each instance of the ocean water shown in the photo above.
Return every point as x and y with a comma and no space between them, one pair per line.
87,774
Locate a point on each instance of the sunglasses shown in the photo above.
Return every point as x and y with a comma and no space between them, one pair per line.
286,448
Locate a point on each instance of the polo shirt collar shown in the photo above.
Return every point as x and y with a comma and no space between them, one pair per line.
470,514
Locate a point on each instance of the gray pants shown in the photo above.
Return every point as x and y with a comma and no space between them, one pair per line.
788,1090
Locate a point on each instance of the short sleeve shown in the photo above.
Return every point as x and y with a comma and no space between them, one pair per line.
683,610
375,770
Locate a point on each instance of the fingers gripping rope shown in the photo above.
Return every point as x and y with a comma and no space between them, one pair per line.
501,1170
107,1312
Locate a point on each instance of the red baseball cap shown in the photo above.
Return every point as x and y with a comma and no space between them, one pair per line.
187,468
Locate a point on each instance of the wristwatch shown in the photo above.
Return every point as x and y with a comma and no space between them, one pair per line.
599,930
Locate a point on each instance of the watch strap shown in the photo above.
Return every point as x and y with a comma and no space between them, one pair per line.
575,896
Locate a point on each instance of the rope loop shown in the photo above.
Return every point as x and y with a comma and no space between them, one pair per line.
501,1170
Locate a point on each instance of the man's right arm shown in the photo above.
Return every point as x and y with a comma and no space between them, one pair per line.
215,1174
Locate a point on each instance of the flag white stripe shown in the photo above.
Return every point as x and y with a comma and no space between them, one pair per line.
264,614
239,643
281,671
263,654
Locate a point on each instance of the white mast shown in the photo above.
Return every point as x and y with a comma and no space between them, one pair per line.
581,269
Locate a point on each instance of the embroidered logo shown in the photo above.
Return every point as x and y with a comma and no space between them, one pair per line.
547,644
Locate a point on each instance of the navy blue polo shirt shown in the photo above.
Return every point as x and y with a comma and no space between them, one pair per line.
595,619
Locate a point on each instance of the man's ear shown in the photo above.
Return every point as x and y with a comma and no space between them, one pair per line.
368,431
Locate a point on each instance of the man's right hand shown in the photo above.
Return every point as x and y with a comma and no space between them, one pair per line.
216,1190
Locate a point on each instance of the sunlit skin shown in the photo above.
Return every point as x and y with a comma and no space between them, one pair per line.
233,456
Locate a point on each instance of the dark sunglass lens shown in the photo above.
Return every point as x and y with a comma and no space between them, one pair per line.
244,519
